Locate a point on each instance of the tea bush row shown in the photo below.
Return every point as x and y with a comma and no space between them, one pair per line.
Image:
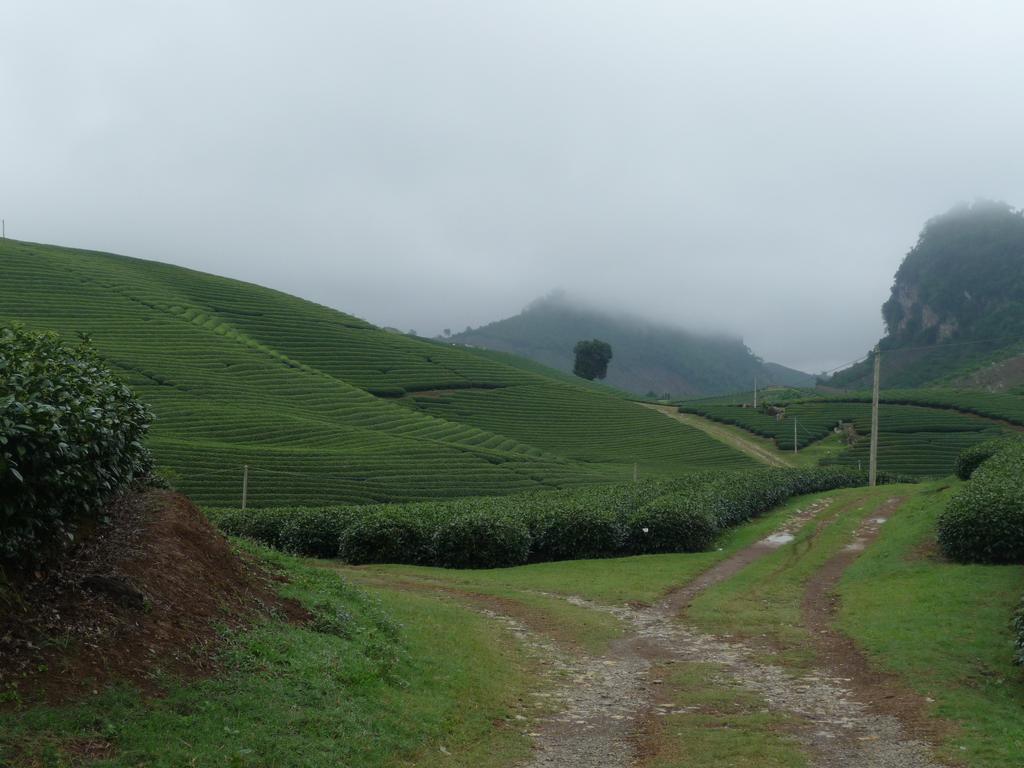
971,458
70,436
681,515
984,520
1006,406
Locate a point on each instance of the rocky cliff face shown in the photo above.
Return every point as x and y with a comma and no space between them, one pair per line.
964,279
957,301
916,315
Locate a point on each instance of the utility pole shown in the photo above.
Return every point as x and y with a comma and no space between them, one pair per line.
794,434
245,484
755,390
634,472
873,460
3,227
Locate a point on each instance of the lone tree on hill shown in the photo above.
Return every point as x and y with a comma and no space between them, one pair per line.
592,359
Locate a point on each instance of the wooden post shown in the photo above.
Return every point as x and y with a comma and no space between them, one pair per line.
873,458
794,434
245,484
634,471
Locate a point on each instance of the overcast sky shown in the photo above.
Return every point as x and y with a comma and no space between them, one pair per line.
754,167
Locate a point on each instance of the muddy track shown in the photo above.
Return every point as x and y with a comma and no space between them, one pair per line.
841,717
843,657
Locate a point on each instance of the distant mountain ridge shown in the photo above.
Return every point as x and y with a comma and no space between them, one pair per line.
647,357
957,301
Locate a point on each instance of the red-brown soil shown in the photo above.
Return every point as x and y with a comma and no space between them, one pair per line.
150,592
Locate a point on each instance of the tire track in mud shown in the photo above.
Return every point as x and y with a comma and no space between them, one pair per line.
607,699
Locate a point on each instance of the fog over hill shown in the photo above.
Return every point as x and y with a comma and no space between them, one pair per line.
756,168
648,357
956,304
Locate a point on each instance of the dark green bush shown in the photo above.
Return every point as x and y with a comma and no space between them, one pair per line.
70,437
984,521
263,525
971,458
575,530
389,534
672,523
481,540
315,531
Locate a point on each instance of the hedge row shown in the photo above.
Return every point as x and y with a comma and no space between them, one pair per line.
984,521
971,458
682,515
70,436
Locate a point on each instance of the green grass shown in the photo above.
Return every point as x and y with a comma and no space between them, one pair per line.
944,628
291,696
725,726
570,624
317,403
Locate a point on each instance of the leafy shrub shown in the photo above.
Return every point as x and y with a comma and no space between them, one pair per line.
481,540
672,523
984,521
70,437
264,524
576,530
315,531
971,458
388,534
680,515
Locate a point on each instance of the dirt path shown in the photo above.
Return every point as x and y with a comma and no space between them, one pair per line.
843,720
843,656
723,435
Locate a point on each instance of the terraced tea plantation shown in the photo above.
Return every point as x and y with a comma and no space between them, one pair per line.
912,439
1005,406
324,407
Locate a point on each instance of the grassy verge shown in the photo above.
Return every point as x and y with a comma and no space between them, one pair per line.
385,680
763,601
944,628
570,625
726,726
643,578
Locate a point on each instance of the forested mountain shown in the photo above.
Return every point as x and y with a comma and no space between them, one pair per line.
957,301
648,357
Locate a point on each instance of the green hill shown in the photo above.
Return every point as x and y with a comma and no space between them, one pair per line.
956,305
322,406
648,357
